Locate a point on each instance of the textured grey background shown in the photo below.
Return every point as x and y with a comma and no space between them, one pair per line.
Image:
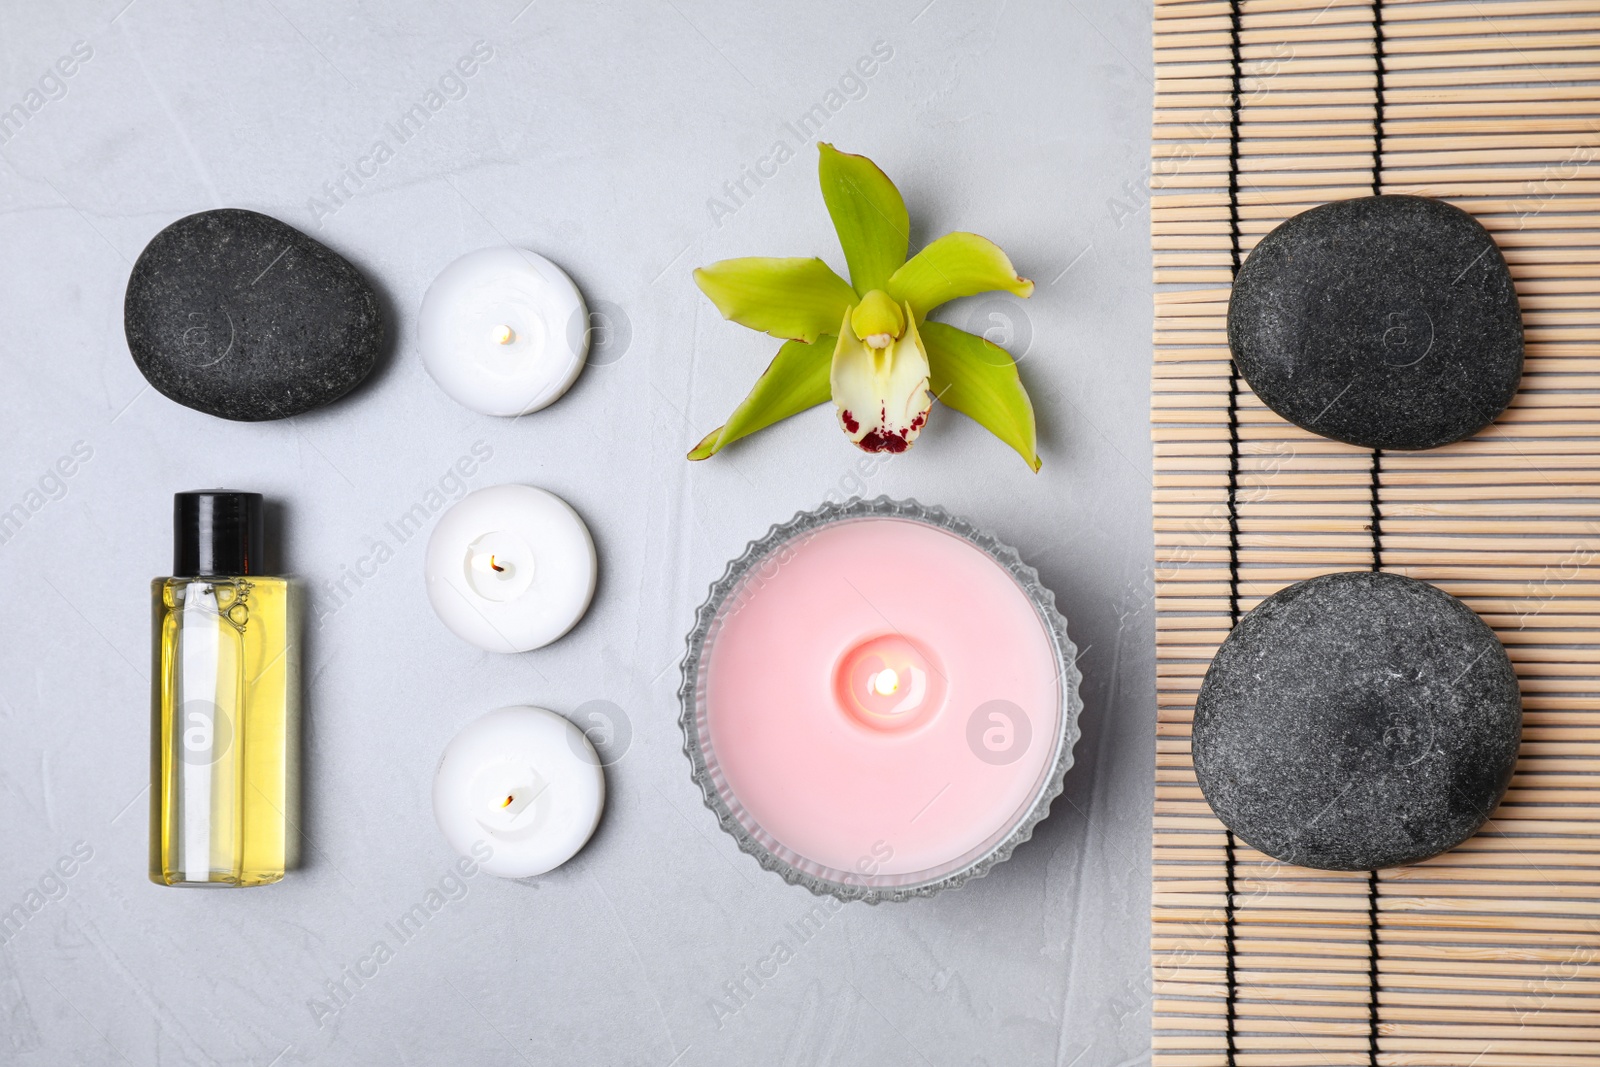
596,135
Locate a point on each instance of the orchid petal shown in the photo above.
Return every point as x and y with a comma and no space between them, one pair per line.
868,214
980,380
881,394
796,299
957,264
796,379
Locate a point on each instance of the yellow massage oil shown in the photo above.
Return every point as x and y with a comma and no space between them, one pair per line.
224,689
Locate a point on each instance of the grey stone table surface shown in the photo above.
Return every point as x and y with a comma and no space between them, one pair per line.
616,139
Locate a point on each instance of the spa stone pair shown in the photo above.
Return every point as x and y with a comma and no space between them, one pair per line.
1363,719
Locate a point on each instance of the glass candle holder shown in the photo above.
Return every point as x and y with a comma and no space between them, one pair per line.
879,700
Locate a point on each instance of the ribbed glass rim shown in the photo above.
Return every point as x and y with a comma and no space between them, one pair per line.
770,853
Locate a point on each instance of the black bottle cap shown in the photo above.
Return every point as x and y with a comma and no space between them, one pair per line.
216,533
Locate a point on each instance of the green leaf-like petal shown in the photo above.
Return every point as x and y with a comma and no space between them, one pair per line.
957,264
795,299
796,379
980,380
868,214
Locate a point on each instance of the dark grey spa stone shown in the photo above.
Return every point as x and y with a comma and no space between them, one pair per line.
1357,720
1387,322
238,315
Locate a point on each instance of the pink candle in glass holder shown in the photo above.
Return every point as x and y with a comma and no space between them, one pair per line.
882,701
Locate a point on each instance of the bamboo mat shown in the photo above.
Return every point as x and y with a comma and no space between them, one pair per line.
1489,955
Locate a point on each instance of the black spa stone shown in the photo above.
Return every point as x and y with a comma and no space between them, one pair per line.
1387,322
238,315
1355,721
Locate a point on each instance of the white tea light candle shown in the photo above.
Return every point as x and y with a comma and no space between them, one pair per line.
510,568
503,331
524,781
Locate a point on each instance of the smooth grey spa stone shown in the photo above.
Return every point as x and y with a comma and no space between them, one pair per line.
238,315
1357,720
1387,322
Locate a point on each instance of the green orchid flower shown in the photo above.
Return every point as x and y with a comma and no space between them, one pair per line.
867,343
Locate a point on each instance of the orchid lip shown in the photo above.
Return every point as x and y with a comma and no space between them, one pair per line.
881,391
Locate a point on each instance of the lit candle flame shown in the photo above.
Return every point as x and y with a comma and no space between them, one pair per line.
886,681
503,334
489,563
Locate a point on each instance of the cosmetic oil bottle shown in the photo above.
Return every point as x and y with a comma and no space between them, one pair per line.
224,702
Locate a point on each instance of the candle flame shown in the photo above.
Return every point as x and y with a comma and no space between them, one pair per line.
503,335
490,563
507,802
886,681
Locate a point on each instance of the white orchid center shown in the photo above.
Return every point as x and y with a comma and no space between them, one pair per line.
879,375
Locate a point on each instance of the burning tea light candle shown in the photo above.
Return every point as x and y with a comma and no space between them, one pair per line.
503,331
510,568
524,785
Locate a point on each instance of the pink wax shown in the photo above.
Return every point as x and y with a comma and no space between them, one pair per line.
882,698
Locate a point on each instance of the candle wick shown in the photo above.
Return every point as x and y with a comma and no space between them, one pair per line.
508,801
497,567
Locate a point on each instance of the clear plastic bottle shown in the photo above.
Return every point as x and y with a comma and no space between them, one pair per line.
224,702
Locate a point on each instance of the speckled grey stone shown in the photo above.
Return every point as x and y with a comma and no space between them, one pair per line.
238,315
1388,322
1357,720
